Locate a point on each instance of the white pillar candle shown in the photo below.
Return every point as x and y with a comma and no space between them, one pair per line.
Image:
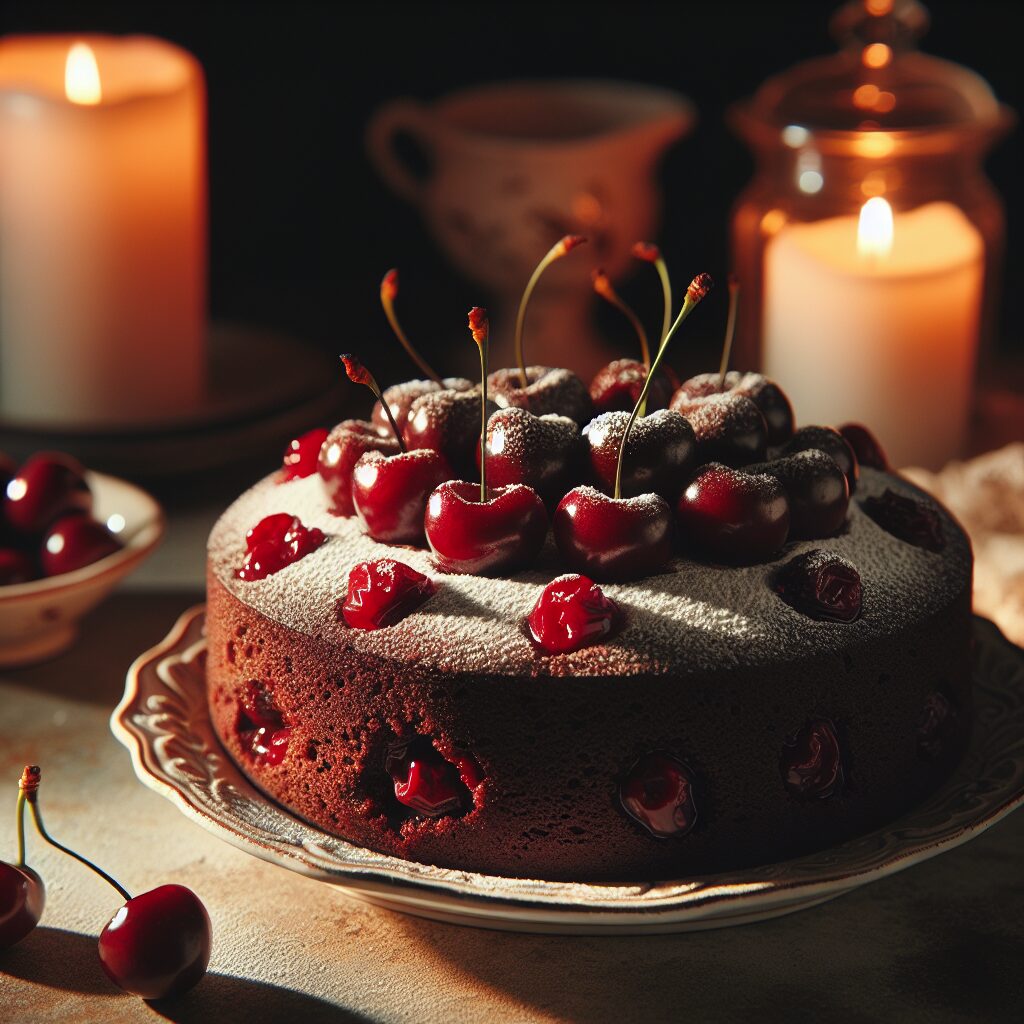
102,231
876,319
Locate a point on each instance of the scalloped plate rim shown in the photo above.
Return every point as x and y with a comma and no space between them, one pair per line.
709,901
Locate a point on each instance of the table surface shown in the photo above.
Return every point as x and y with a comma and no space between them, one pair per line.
941,941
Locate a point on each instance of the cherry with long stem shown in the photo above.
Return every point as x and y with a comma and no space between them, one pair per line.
562,247
730,330
603,287
480,328
359,374
28,790
388,294
699,288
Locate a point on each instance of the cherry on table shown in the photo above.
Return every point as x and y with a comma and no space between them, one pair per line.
158,944
48,485
571,612
22,898
539,451
729,428
390,492
733,515
344,446
658,792
383,592
613,538
832,443
467,535
73,542
816,488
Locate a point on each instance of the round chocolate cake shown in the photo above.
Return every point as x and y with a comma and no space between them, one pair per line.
777,729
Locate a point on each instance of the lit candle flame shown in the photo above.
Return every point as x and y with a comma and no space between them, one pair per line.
874,229
82,76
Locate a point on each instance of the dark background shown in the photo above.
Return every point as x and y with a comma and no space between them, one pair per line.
301,227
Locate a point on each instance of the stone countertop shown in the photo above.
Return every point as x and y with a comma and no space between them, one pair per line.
941,941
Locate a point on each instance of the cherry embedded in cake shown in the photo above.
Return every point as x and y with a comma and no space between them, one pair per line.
908,518
275,542
658,793
821,585
812,762
383,592
571,612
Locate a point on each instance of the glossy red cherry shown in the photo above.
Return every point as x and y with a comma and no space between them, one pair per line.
262,730
158,944
449,423
426,782
658,792
761,390
549,390
22,898
613,539
865,446
400,397
617,386
821,585
908,519
539,451
344,446
277,541
732,515
817,491
571,612
729,428
48,485
467,535
390,492
832,443
660,453
302,455
73,542
16,566
383,592
811,761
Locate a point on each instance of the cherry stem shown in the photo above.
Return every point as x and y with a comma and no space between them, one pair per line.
556,252
699,287
359,374
730,330
388,292
21,829
480,327
603,287
31,795
650,253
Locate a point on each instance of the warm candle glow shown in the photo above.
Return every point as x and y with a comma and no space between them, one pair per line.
82,76
876,55
874,229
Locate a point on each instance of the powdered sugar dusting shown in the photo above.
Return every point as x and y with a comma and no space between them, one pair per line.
692,618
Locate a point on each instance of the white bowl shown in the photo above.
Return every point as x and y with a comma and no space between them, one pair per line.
40,619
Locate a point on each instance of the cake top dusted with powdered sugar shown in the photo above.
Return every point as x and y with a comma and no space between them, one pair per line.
690,619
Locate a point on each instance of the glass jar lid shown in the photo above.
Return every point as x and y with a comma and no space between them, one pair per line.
878,81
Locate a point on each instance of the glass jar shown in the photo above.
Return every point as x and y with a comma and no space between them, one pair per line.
869,242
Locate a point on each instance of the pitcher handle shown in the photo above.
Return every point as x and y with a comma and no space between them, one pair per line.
402,116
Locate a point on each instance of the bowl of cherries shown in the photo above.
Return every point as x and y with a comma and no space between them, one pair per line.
67,536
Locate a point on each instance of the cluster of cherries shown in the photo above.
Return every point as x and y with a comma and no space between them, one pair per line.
157,945
46,524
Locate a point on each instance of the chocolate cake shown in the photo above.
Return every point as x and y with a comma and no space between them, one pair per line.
781,723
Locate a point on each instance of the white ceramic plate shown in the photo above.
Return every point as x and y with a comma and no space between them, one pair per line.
39,619
163,721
